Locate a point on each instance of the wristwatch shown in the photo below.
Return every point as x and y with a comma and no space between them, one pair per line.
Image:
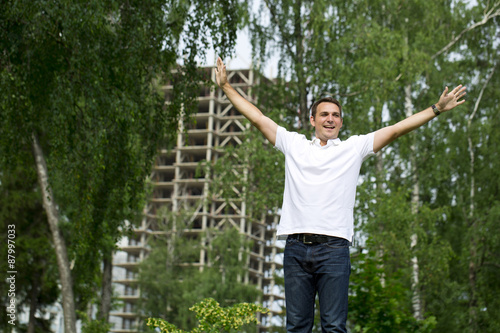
435,109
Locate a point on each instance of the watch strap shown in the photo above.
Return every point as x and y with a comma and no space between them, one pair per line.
435,109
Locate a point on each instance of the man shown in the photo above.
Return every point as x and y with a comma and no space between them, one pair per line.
318,201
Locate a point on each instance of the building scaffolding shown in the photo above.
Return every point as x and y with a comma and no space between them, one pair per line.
176,184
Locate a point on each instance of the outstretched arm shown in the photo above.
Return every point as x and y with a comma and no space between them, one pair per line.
447,101
264,124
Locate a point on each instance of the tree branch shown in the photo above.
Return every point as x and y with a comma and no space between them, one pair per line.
494,264
480,96
281,28
488,15
365,88
471,147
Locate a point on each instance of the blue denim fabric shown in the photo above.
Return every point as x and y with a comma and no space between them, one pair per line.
319,268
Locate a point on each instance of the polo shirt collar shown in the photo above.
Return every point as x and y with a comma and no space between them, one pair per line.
317,142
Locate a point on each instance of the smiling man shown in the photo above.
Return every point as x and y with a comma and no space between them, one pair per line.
318,201
326,118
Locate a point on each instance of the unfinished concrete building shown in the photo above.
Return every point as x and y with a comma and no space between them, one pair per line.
177,184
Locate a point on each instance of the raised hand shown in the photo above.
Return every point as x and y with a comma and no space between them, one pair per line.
220,73
448,101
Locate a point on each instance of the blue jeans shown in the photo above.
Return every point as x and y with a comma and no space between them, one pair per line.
318,268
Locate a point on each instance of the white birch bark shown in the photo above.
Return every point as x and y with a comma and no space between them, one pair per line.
415,197
68,301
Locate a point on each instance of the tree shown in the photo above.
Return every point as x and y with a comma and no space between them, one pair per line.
472,167
386,312
429,67
36,280
81,86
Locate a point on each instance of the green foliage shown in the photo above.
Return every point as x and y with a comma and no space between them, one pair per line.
264,185
379,303
93,326
213,318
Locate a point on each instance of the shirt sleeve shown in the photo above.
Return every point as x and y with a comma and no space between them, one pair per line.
282,138
364,145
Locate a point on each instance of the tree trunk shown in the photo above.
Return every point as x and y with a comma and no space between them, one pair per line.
379,176
299,67
472,242
415,198
472,284
106,290
473,269
49,205
33,306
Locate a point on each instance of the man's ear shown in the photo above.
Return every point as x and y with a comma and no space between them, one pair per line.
313,121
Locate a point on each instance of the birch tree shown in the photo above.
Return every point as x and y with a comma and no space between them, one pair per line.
37,285
473,164
80,87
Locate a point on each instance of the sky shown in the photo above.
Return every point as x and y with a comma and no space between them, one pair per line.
242,57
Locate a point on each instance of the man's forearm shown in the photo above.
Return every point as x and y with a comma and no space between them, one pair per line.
447,101
386,135
413,122
264,124
247,109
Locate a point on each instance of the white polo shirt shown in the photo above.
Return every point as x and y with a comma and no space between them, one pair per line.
320,183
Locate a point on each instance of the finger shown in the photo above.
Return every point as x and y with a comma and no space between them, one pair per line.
459,94
445,92
457,88
220,62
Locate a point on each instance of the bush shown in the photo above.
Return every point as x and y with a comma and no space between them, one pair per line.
214,319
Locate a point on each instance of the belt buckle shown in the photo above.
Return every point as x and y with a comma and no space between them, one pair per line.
304,240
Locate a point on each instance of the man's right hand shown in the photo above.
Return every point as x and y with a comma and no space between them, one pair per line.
264,124
220,73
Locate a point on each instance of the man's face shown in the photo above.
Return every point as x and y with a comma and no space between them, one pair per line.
327,122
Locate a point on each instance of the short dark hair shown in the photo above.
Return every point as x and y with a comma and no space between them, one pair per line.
328,99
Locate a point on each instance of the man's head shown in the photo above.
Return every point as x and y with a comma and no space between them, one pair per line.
314,107
326,117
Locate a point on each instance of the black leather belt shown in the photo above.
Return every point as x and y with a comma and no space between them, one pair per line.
311,238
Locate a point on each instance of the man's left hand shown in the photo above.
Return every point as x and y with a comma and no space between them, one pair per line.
448,101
